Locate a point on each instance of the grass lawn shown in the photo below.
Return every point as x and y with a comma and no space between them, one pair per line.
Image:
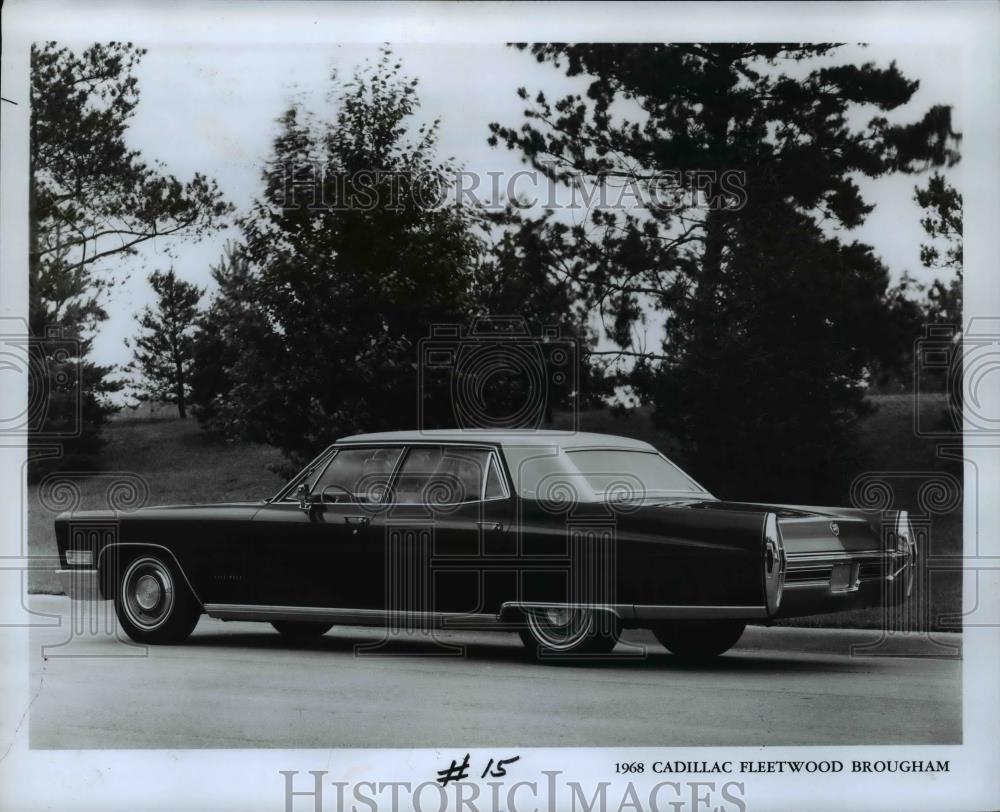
181,465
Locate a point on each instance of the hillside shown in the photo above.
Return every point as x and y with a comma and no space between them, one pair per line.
180,464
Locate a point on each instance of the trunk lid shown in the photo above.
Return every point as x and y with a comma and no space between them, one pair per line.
824,535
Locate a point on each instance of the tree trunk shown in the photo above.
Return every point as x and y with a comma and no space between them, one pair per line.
181,406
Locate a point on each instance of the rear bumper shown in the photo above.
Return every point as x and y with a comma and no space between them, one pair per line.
818,601
81,584
868,579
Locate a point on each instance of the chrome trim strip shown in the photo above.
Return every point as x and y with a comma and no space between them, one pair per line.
461,620
820,519
81,584
833,557
820,584
699,612
829,590
624,611
347,617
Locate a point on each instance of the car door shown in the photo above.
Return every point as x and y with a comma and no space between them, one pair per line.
320,554
446,534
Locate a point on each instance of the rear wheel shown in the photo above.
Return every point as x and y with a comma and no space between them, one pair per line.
552,631
153,602
301,630
699,639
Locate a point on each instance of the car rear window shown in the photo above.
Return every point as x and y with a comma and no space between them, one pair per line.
549,473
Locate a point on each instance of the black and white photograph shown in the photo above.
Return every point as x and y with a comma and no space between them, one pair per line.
500,406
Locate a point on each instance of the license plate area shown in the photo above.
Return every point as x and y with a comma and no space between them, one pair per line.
844,578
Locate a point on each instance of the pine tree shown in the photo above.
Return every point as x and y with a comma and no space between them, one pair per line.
164,351
747,154
93,201
942,223
227,331
351,265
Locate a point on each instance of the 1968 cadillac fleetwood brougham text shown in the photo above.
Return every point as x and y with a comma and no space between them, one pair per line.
565,537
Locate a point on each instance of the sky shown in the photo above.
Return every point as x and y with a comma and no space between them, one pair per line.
212,108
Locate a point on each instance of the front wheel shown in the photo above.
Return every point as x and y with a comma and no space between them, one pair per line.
153,603
301,630
551,631
699,639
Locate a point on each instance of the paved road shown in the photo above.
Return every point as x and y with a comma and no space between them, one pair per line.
242,685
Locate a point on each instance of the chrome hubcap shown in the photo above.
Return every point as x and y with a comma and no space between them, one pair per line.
558,617
147,593
560,628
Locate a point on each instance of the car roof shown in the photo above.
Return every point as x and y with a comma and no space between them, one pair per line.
513,437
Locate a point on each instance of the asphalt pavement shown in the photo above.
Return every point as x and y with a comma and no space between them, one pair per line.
238,685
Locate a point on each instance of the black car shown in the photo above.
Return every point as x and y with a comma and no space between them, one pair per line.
567,537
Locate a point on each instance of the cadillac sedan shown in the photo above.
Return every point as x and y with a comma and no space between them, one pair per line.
564,537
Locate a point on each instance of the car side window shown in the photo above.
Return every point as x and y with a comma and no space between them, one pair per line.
494,480
443,475
415,473
357,475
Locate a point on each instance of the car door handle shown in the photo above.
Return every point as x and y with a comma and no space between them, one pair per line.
494,526
358,521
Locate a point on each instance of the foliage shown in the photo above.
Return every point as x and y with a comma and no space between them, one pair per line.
164,351
225,331
517,277
750,151
92,200
943,226
353,258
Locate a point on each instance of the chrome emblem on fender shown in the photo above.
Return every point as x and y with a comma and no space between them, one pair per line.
835,528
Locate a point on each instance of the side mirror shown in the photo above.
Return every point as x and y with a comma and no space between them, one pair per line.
302,493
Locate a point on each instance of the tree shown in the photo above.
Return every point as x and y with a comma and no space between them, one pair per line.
164,351
92,201
517,277
354,257
943,226
748,154
230,326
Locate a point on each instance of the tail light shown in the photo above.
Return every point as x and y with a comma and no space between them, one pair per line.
774,563
906,545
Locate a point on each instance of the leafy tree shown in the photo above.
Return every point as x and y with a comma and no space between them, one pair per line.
92,201
748,154
354,258
164,351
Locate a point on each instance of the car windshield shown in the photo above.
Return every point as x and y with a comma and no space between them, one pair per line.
589,475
